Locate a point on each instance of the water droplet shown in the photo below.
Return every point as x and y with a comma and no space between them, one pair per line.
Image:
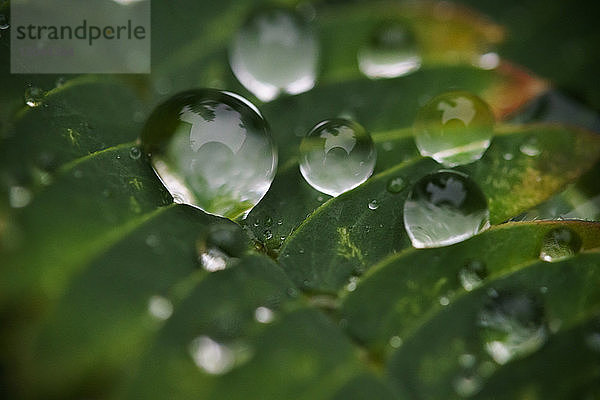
530,147
373,205
264,315
560,244
337,155
213,259
135,153
268,221
351,286
152,240
219,245
467,360
391,51
19,196
513,325
160,307
396,185
212,357
211,149
508,156
488,61
60,82
275,52
268,234
467,386
4,23
444,208
395,341
472,275
279,222
444,301
454,128
33,96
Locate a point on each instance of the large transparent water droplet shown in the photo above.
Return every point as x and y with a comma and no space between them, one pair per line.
337,155
211,149
444,208
454,128
512,325
390,52
275,52
560,244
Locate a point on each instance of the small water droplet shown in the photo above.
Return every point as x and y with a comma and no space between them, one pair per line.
373,205
19,196
160,307
279,222
395,341
268,221
152,240
34,96
530,147
268,234
488,61
351,286
275,52
508,156
396,185
211,149
60,82
213,259
135,153
467,361
211,356
467,386
4,23
444,301
472,275
454,128
391,51
543,289
219,245
264,315
331,155
444,208
560,244
512,325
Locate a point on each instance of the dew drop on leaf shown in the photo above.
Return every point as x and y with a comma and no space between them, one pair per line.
219,245
443,208
274,52
135,153
373,205
211,149
210,356
512,325
160,307
391,51
337,155
19,196
396,185
264,315
560,244
530,147
454,128
472,275
34,96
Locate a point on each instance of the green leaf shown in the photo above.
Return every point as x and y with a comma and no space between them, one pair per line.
344,237
402,293
429,361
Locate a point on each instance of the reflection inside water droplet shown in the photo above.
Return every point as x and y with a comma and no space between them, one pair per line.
275,52
512,325
454,128
211,149
444,208
560,244
391,52
337,155
472,275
